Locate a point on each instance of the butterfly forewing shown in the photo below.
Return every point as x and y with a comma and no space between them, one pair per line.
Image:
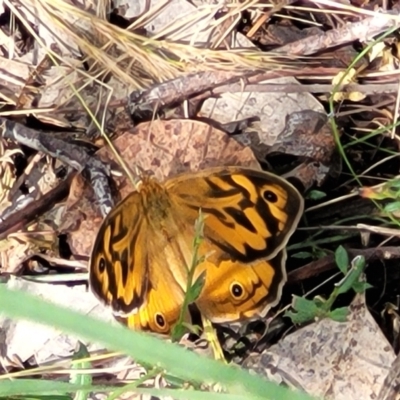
249,214
138,263
118,256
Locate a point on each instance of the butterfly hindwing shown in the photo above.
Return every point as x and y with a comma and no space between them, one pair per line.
162,308
234,291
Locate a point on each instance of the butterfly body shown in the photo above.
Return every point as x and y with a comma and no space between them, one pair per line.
140,260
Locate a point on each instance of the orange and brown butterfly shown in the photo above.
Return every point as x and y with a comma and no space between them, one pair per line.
139,262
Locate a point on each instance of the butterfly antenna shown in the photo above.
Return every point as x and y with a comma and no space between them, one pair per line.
133,177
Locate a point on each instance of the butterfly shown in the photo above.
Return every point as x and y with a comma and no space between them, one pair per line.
140,258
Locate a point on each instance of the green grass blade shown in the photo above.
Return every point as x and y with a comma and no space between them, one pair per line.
144,348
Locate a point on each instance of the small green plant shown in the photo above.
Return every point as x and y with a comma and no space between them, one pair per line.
389,190
193,289
306,310
81,361
316,195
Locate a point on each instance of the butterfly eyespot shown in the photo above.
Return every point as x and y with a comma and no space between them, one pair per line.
237,290
270,196
159,320
102,265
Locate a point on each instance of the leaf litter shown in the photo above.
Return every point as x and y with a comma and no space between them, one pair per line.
52,86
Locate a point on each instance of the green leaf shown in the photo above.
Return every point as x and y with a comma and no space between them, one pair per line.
198,229
319,301
196,329
42,387
197,287
81,378
395,183
144,348
316,195
193,289
302,255
305,310
177,331
357,267
24,387
339,314
361,287
342,259
392,207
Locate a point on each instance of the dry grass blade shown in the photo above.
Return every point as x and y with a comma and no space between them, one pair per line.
356,10
134,59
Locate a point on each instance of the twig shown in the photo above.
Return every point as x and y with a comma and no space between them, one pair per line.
364,30
74,156
21,218
327,263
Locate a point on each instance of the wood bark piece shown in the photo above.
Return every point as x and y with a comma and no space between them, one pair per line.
72,155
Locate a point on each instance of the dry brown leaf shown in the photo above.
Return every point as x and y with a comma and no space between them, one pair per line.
7,173
331,360
38,178
166,148
13,254
307,134
46,342
271,108
82,218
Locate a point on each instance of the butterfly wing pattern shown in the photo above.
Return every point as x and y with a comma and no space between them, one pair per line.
141,255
